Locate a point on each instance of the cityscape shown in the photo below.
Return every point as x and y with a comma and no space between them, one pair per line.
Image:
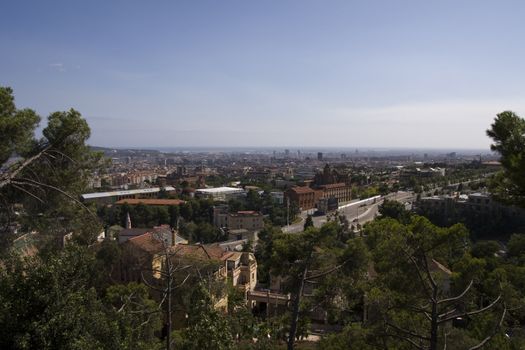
262,175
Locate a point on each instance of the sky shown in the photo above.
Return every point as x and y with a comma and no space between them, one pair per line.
269,73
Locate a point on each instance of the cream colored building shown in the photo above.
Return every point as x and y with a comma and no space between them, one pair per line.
242,270
247,220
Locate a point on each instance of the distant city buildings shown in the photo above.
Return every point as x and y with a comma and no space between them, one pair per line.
325,191
422,173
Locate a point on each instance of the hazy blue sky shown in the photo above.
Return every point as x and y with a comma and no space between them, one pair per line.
269,73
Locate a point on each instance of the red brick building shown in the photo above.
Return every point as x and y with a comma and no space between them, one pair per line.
302,196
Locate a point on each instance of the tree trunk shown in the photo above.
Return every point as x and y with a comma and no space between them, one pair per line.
295,311
434,322
168,338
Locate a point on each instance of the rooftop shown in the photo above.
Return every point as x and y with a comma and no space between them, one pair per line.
302,189
124,193
219,190
337,185
147,242
247,213
209,251
148,201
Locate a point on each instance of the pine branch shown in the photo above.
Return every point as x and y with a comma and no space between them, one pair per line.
470,313
459,296
11,174
486,340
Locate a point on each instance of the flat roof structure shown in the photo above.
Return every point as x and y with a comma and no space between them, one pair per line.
219,190
96,195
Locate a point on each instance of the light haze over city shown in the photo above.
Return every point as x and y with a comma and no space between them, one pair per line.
418,74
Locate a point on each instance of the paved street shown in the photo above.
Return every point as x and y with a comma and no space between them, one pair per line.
355,211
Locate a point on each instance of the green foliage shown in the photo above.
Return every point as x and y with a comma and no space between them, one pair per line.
365,192
137,315
401,254
394,210
16,127
207,329
291,253
516,248
50,174
309,222
352,337
485,249
508,134
240,318
317,257
248,246
263,251
53,302
202,232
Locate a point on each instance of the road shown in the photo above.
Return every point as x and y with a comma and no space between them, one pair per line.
354,211
439,188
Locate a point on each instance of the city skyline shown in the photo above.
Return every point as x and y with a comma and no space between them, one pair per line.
272,74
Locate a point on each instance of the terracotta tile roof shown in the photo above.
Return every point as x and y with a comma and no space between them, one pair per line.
149,201
133,232
188,250
214,251
147,242
227,255
211,251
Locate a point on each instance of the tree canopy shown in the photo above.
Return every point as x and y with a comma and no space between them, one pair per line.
44,176
508,134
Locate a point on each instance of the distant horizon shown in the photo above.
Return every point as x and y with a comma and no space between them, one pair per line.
294,149
383,74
